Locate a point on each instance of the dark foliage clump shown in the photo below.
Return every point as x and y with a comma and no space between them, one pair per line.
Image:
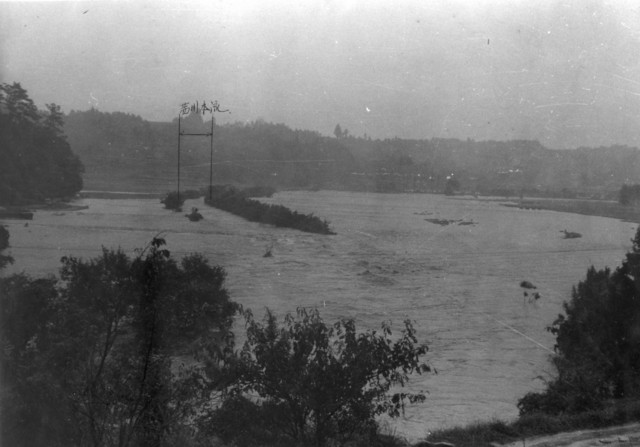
452,185
174,200
597,342
4,244
36,161
194,215
629,195
97,356
236,201
311,383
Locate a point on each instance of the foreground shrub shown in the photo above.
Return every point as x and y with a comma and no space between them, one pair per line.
242,422
597,342
89,358
313,383
4,243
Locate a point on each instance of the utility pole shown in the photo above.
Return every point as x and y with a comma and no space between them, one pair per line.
197,108
179,134
211,164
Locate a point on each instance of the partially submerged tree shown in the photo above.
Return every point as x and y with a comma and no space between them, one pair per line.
114,352
316,382
4,244
451,186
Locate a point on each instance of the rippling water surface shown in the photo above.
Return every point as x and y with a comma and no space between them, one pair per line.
460,283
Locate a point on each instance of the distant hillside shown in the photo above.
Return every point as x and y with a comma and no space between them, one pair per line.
499,167
122,151
125,151
119,151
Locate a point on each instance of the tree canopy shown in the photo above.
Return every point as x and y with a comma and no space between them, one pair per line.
36,161
316,382
120,148
114,352
597,341
629,195
4,244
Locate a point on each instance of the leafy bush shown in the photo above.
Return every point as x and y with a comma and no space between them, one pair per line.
90,358
597,342
242,422
174,200
315,382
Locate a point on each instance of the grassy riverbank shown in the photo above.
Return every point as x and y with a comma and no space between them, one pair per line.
499,432
602,208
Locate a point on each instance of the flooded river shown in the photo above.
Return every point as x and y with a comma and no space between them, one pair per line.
452,265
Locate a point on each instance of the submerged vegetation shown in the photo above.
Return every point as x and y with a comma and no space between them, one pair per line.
194,215
571,234
238,202
174,200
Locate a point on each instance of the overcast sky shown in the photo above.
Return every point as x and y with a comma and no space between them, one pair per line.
566,73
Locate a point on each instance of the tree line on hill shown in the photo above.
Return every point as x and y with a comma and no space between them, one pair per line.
629,195
46,152
36,160
274,154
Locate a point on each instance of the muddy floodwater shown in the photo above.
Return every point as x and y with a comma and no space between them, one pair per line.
452,265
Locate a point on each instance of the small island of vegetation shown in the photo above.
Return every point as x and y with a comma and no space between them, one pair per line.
174,200
240,203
